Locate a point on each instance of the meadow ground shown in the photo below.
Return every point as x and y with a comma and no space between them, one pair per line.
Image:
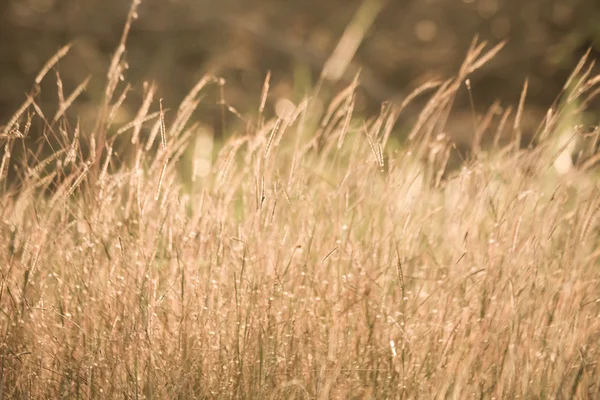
310,256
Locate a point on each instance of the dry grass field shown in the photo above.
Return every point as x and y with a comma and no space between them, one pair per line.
310,256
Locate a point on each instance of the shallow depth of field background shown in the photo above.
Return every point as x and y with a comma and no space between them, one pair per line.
174,42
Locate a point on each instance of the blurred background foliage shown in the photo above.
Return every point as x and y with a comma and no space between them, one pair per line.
175,42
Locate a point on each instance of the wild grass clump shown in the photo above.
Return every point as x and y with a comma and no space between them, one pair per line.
307,259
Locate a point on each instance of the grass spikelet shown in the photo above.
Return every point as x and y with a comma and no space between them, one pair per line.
41,165
160,178
343,97
80,178
116,67
163,135
225,166
581,85
72,97
72,153
5,158
104,170
51,63
484,125
117,106
191,96
417,92
263,97
486,57
590,217
346,124
432,105
183,117
519,116
274,132
577,69
8,129
515,236
375,148
153,133
142,115
138,123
